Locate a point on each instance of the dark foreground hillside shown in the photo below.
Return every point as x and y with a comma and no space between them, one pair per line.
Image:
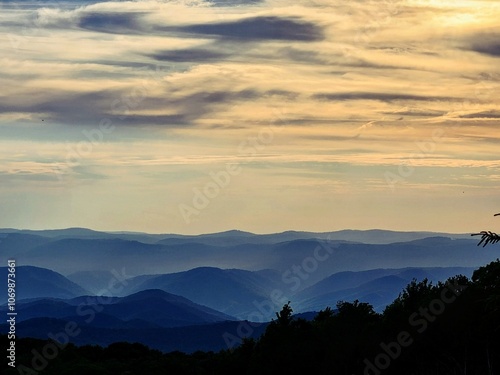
447,328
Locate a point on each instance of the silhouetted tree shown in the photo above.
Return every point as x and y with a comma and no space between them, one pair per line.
284,317
324,315
487,236
415,295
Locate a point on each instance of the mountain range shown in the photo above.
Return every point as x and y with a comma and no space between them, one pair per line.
151,308
167,285
233,293
80,250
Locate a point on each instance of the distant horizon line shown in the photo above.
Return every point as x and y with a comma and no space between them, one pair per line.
229,231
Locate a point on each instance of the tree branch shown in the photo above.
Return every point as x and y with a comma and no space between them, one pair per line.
487,236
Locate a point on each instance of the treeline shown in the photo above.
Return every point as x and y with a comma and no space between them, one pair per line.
448,328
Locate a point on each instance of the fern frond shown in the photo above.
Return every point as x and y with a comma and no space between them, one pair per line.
487,237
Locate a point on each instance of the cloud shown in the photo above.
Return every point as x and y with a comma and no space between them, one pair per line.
157,120
483,115
91,108
188,55
300,55
380,96
282,93
487,44
112,22
64,106
417,112
134,21
227,3
258,29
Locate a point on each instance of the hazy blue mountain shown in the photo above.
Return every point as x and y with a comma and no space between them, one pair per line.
156,307
164,309
100,282
63,309
374,236
378,287
22,241
241,293
378,236
55,233
351,279
42,308
314,258
206,337
83,233
430,252
229,238
35,282
72,255
378,292
13,244
231,291
168,280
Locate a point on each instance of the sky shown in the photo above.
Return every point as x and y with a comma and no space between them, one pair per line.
265,116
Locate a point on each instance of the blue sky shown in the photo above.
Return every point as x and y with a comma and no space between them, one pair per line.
198,116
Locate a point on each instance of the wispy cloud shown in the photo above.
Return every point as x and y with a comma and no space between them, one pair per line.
259,29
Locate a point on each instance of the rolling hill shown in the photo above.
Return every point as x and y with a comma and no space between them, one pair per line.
156,307
232,291
378,287
36,282
188,339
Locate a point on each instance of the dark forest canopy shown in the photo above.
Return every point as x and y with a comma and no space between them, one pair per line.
452,327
